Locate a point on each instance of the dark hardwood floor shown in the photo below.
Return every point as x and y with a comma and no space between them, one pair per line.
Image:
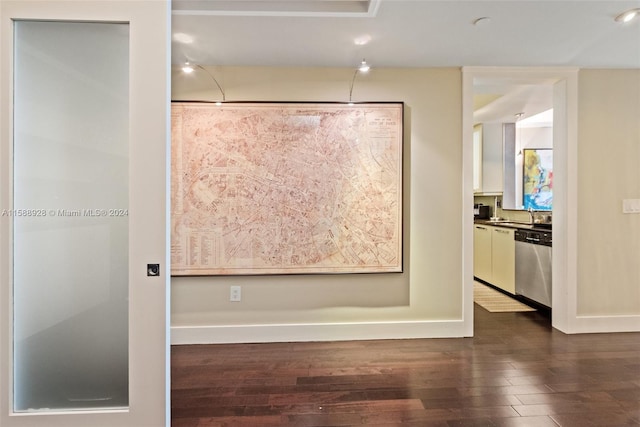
516,371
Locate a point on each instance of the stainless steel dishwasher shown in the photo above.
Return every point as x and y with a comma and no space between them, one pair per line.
533,265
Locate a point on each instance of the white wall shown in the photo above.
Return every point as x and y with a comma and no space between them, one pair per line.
609,160
534,137
425,300
530,137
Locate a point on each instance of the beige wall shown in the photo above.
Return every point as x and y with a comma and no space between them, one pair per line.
430,289
609,171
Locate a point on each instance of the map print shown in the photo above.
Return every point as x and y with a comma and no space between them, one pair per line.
286,188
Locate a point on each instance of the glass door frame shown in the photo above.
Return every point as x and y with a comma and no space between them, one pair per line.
149,99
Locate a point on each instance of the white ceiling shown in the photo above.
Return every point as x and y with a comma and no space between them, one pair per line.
405,33
413,33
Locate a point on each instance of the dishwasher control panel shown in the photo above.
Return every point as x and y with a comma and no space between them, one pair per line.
534,237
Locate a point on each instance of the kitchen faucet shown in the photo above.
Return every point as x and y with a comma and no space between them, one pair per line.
530,210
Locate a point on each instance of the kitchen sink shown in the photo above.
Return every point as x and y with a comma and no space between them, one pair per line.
516,224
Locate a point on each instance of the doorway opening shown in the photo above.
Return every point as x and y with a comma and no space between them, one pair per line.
511,91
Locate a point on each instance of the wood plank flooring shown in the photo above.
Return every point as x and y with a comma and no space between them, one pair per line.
516,371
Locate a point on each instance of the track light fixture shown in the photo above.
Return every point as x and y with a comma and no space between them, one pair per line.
189,68
363,68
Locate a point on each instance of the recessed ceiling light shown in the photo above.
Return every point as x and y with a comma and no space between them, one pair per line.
628,15
362,40
183,38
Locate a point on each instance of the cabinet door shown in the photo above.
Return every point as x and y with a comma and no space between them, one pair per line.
477,158
503,259
482,252
492,158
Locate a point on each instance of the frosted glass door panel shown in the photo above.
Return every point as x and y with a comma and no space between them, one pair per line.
70,193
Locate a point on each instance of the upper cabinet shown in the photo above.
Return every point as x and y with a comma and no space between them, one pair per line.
477,158
488,149
492,158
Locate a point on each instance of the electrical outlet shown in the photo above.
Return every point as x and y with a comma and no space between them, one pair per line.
235,294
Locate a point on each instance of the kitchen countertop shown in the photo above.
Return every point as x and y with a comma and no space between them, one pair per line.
515,224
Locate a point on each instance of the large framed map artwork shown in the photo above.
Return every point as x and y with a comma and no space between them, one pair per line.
286,188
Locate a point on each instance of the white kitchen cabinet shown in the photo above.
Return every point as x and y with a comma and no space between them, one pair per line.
491,143
494,256
482,253
492,137
503,259
477,158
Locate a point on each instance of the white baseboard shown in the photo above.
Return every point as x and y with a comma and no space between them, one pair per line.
227,334
605,324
